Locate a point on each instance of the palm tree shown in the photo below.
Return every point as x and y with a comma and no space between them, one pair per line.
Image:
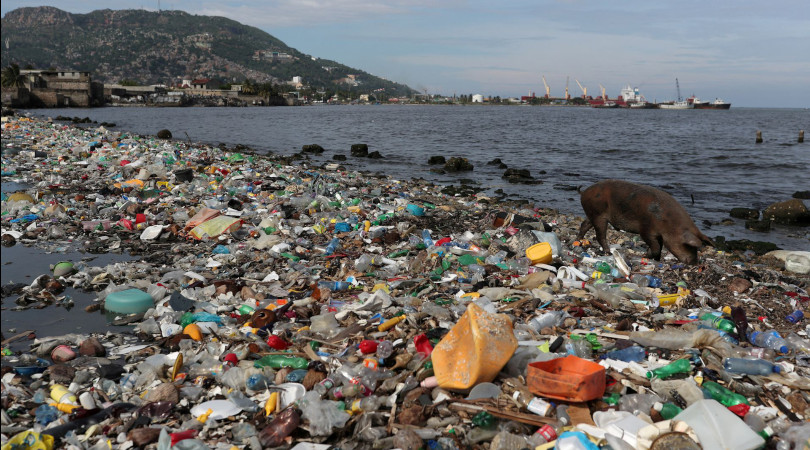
11,76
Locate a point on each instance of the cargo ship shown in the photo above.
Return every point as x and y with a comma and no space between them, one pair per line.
717,103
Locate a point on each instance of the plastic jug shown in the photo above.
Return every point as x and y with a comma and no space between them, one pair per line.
474,350
130,301
719,428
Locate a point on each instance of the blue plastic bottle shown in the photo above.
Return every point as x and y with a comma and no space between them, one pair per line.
332,247
334,285
629,354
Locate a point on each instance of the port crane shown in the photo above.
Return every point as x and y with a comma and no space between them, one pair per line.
567,97
584,90
548,91
678,87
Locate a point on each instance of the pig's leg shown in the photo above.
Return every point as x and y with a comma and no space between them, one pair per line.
586,225
655,243
600,225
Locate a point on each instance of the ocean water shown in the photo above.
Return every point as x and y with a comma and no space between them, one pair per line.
708,160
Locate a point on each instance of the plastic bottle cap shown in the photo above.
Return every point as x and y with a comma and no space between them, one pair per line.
658,406
783,349
777,369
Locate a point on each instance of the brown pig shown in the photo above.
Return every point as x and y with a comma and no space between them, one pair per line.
652,213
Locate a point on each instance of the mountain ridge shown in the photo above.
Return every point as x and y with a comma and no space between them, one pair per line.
163,47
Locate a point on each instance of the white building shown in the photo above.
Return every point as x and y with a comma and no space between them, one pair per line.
478,98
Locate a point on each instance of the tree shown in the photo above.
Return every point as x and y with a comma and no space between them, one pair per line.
11,76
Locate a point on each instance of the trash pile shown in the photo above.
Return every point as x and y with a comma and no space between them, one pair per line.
282,305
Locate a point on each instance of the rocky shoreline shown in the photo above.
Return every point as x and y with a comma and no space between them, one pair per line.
224,237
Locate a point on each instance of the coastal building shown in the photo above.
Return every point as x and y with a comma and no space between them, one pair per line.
55,88
478,98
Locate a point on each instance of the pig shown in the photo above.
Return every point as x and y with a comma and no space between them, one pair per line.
655,215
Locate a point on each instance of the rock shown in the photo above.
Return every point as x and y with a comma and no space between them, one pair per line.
758,225
164,134
457,164
92,347
163,392
359,150
519,176
790,212
408,440
312,148
744,213
339,157
61,373
413,415
739,285
143,436
802,194
375,155
437,160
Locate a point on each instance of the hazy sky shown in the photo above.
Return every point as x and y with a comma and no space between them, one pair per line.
750,53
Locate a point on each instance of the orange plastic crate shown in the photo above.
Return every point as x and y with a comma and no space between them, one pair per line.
570,378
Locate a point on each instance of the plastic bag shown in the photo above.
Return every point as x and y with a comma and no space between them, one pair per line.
29,440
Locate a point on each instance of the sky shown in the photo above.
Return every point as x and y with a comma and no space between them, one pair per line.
749,53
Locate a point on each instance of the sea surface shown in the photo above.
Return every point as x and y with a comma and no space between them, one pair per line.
707,159
708,156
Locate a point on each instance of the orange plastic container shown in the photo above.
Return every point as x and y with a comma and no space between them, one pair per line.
474,350
539,253
570,378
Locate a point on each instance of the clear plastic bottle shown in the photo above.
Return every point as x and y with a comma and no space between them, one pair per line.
638,403
797,344
547,433
750,366
334,244
768,340
426,239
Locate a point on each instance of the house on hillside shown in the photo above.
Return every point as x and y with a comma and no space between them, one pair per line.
202,83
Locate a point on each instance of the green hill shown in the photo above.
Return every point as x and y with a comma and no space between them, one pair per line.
165,47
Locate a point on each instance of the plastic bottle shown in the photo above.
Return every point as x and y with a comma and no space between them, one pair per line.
768,340
579,347
367,404
257,382
750,366
275,432
755,352
426,239
632,353
207,369
547,433
61,394
667,410
279,361
638,403
723,395
334,286
726,337
345,391
718,322
548,319
795,316
797,344
332,247
673,368
562,414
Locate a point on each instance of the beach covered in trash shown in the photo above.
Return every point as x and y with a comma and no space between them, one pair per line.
271,302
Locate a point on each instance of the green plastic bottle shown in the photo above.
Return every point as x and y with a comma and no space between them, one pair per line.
718,322
726,397
667,410
673,368
279,361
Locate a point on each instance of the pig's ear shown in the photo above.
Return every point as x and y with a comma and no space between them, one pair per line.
691,240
